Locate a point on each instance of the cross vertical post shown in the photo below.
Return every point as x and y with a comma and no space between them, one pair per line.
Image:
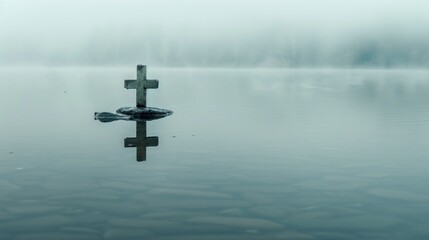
141,141
141,84
141,91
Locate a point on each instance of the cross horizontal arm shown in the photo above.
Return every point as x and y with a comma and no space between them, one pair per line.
130,84
151,84
136,142
130,142
151,141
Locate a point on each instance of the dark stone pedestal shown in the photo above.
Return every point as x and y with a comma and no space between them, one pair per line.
133,114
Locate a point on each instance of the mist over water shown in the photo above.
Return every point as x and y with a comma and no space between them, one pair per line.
250,154
190,33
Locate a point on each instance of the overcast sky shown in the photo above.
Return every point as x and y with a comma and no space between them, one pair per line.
68,26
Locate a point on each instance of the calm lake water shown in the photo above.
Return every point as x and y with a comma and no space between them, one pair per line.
247,154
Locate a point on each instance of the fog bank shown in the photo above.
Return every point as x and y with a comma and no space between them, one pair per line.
270,33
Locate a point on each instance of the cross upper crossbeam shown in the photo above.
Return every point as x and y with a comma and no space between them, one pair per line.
141,84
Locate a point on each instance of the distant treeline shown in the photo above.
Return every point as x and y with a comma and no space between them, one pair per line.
274,47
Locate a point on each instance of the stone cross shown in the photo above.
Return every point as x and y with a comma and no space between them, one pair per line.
141,141
141,84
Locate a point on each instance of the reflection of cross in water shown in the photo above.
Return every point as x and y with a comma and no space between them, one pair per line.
141,84
141,141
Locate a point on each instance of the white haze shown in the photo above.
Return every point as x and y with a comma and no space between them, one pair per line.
234,33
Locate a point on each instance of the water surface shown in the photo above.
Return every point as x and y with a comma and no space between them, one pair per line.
247,154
